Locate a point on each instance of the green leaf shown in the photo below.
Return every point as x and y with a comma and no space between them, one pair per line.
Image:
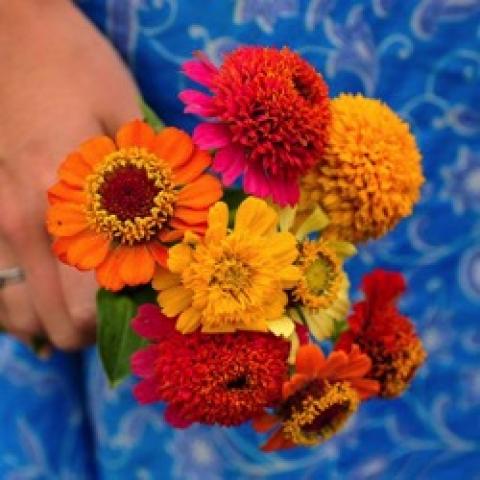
116,340
339,327
233,197
150,116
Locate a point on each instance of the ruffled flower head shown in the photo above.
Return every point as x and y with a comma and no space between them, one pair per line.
223,379
230,280
270,112
384,334
370,174
117,202
318,399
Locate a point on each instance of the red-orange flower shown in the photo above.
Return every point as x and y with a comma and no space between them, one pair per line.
319,398
117,203
388,337
223,379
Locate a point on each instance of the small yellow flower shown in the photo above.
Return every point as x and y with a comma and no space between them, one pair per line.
370,175
322,291
231,280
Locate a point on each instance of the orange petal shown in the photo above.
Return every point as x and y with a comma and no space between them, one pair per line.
265,422
60,247
138,266
191,217
88,250
191,170
169,236
201,193
366,387
108,272
173,146
309,360
66,219
336,362
201,228
294,384
74,170
95,150
357,365
62,191
135,134
159,253
277,442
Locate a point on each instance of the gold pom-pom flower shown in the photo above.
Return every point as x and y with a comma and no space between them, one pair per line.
370,175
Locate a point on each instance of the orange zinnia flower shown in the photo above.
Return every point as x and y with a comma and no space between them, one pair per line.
117,203
319,398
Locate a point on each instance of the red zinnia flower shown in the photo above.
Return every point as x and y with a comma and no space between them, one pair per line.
223,379
271,111
388,337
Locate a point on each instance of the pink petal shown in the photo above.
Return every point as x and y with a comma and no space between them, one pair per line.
143,361
285,191
211,135
198,103
201,71
150,323
256,182
174,418
145,392
230,162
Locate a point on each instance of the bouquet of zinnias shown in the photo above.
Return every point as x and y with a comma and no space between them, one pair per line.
220,256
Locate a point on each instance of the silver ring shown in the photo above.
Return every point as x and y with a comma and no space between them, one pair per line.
12,275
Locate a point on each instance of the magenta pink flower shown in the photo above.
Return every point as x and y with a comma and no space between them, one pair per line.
268,115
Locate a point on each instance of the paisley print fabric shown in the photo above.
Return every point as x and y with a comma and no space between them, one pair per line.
61,421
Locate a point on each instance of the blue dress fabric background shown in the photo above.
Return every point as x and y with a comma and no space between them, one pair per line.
59,418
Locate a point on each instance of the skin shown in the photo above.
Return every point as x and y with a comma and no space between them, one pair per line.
60,84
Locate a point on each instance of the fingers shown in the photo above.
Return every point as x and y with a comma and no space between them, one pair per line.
59,301
17,313
80,289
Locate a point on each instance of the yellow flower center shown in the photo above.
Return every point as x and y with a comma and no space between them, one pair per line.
322,276
317,412
132,195
231,275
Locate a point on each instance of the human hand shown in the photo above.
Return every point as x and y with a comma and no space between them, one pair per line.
61,84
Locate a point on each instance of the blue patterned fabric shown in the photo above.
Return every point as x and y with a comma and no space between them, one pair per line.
60,420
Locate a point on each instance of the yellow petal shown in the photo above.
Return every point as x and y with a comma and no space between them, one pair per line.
286,217
281,327
342,249
294,346
316,222
188,321
164,279
175,300
217,222
321,326
283,247
179,257
289,276
255,216
276,305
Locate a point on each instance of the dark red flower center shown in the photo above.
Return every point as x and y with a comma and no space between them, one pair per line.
238,383
127,192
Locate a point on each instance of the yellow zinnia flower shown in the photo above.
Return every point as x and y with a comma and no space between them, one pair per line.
370,175
230,280
322,291
320,298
